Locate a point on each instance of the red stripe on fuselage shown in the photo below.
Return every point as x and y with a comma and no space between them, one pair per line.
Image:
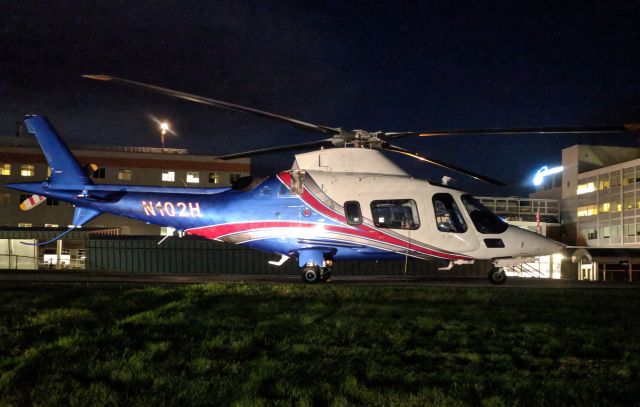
364,230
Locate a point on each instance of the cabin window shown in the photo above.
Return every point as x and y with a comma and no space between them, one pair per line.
483,219
124,175
234,177
448,216
52,202
395,214
5,169
353,213
168,176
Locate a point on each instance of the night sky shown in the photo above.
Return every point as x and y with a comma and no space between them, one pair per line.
389,66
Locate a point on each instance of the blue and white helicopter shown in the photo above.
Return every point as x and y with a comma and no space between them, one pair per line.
344,201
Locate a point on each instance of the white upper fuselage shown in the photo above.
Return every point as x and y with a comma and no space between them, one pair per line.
365,176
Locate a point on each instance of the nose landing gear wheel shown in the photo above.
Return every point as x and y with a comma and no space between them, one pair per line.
311,274
497,276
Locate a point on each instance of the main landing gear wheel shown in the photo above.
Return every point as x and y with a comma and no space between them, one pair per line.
497,276
311,274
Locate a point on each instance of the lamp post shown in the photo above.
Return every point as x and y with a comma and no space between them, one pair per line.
164,128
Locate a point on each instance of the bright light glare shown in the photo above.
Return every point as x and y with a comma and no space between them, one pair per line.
543,172
163,125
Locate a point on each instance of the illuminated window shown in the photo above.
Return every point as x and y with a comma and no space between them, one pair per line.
616,206
124,175
50,225
5,169
588,210
628,177
193,177
605,207
603,184
168,176
585,188
166,231
214,178
27,170
25,225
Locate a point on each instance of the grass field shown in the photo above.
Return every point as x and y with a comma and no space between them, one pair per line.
252,344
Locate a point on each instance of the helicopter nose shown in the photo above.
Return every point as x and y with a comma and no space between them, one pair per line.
545,245
533,244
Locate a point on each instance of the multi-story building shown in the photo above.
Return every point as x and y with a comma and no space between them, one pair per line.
599,191
21,160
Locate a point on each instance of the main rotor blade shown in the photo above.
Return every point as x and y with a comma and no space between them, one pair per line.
518,130
396,149
218,103
290,147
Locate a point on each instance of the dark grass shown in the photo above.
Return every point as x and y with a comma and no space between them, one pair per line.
248,344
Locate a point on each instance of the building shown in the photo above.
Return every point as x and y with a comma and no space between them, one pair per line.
599,193
22,160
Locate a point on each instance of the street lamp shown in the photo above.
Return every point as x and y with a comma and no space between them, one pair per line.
164,128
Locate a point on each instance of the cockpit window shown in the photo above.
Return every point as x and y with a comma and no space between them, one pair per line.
448,216
485,221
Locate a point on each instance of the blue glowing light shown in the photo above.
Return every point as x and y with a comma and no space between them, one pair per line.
543,172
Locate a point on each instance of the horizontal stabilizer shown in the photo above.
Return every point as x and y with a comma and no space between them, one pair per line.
81,216
66,173
84,215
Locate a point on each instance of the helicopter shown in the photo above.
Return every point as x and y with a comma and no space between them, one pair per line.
343,201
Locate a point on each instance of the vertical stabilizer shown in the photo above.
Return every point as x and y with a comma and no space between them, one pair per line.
66,173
